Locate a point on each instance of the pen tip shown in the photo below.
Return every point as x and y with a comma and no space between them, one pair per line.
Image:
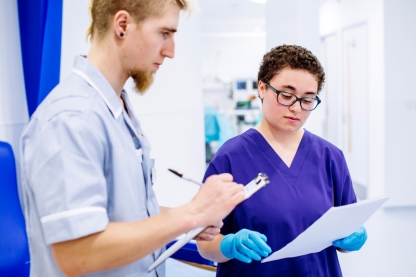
175,172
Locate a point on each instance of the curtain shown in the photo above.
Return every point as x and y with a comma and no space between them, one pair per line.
41,34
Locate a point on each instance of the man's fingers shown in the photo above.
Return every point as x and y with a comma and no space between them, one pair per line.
238,195
212,231
208,234
218,225
224,177
204,237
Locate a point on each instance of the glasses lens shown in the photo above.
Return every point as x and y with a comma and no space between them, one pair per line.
286,98
309,104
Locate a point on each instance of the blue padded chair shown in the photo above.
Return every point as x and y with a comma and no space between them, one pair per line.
14,251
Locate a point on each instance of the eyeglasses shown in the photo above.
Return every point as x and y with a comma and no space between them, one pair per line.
288,99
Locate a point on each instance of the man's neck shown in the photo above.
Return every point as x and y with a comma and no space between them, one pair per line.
104,57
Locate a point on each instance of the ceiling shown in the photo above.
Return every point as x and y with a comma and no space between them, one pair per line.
231,16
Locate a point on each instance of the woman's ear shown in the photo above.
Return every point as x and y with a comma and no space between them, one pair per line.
261,88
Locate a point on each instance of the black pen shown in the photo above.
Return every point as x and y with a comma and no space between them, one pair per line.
184,177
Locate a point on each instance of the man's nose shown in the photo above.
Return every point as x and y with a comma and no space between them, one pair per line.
169,49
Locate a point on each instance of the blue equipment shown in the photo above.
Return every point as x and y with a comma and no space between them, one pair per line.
14,251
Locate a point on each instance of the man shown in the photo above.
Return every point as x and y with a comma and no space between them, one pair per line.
88,198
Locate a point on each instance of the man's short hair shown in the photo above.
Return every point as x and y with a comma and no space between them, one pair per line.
101,12
293,57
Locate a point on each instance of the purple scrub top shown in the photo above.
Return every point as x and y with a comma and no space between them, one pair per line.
296,197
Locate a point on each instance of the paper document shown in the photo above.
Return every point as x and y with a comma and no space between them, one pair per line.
336,223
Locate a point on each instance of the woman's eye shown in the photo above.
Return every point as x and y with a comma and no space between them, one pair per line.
307,101
286,95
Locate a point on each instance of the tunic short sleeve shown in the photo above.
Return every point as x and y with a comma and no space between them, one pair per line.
66,167
343,192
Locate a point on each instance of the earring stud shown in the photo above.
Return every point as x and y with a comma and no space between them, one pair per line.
121,34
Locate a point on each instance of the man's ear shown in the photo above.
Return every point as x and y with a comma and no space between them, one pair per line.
121,19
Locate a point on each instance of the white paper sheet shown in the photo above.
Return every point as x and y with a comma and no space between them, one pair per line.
336,223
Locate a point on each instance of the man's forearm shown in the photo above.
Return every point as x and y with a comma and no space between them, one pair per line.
121,243
164,209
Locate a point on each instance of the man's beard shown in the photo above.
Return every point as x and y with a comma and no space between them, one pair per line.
142,80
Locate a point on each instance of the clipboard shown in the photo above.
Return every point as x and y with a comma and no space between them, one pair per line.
260,181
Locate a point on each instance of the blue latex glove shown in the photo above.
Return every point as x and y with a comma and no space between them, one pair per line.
353,242
245,246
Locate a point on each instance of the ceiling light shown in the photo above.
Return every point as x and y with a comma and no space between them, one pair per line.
259,1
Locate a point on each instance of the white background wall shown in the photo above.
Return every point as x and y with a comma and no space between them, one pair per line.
13,106
400,105
337,19
296,22
233,44
170,112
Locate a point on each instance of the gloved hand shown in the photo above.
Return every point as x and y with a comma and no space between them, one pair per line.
245,245
353,242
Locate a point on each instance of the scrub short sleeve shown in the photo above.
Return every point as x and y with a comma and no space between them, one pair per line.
65,172
344,191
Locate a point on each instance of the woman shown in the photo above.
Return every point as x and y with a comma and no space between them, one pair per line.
308,175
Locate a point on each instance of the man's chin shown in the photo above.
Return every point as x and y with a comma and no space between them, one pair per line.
143,81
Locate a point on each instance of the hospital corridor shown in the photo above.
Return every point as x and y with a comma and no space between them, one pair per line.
203,138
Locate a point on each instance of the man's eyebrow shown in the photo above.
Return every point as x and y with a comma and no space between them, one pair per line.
169,29
294,89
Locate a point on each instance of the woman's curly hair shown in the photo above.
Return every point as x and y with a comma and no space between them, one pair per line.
290,56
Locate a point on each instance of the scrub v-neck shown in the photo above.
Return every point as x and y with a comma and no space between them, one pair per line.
290,173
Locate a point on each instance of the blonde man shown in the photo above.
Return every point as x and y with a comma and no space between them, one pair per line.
87,185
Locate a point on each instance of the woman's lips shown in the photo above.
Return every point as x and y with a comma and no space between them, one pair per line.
292,119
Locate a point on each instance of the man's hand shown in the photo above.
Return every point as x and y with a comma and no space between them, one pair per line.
216,199
209,233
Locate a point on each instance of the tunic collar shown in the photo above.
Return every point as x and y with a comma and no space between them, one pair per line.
86,70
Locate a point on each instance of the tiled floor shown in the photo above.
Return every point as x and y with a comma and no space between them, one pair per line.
390,250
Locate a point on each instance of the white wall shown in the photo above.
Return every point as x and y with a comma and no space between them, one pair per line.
75,22
170,112
400,105
337,19
232,49
13,106
296,22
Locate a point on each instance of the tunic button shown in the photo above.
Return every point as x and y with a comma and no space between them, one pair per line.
141,135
